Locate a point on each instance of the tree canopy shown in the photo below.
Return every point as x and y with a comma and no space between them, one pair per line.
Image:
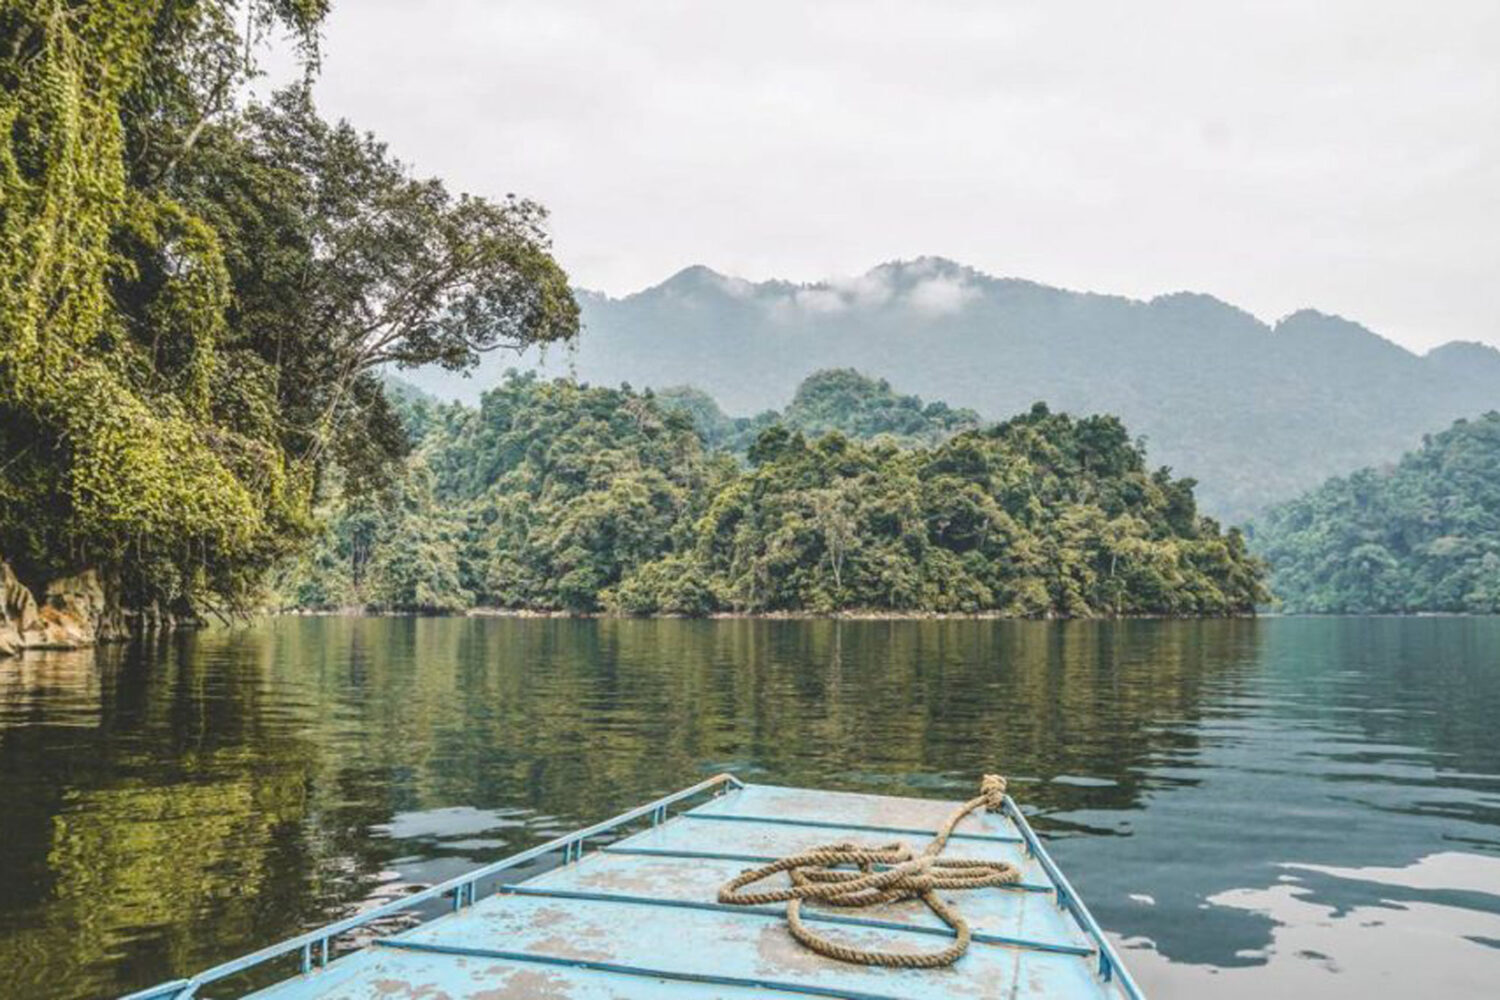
587,499
1422,535
844,400
1257,412
837,399
194,297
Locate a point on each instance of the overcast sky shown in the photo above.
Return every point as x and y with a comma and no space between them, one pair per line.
1340,154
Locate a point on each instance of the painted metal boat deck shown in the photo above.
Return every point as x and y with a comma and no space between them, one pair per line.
636,916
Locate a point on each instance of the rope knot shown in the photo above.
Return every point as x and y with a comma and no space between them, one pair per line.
992,790
855,875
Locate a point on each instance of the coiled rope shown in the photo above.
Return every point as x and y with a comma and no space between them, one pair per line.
885,874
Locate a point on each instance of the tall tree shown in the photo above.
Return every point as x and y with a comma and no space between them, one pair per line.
192,299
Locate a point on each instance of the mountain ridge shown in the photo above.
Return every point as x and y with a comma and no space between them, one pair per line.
1257,411
704,272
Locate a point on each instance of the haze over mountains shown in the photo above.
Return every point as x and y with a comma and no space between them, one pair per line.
1256,412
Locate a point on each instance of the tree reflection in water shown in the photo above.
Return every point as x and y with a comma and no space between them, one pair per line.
168,805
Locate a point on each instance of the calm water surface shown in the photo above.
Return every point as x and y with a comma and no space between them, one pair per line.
1282,807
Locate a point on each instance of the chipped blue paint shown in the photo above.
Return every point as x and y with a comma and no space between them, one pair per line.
638,917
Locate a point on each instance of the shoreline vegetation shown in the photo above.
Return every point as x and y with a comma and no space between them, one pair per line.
846,614
1421,535
197,297
553,496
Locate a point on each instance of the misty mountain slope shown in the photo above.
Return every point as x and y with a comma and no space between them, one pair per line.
1257,413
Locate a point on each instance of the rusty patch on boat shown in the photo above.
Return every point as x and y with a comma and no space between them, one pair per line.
570,947
401,988
528,984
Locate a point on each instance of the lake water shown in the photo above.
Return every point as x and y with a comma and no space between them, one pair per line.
1290,807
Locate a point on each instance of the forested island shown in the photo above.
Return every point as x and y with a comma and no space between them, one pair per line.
1422,535
555,496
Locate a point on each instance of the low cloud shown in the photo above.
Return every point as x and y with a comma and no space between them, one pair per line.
867,290
737,288
940,296
820,300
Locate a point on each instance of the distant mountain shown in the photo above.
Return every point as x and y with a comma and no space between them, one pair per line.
1422,535
1257,413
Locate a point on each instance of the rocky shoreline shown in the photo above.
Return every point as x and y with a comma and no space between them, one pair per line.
73,612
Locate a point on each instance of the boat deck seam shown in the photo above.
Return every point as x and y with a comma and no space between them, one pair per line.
1000,838
982,937
663,852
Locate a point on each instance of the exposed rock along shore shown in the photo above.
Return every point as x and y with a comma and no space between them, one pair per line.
74,612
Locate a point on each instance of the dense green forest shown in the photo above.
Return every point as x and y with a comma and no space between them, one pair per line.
840,399
202,298
1258,412
556,496
1423,535
196,295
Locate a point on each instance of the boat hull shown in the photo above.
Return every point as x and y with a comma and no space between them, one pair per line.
637,916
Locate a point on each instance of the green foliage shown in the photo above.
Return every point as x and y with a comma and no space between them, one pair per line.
1423,535
570,487
194,300
843,400
839,399
112,300
1041,515
396,550
587,499
670,585
345,264
717,429
1257,412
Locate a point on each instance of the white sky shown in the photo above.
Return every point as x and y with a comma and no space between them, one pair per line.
1339,154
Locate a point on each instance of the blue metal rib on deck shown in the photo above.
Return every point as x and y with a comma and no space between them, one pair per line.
762,859
859,827
640,917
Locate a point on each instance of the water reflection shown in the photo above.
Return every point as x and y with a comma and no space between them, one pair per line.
1422,930
1240,801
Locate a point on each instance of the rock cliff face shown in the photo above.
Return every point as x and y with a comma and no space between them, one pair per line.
19,619
75,611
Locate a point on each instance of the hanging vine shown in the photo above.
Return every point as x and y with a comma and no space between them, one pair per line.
112,302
